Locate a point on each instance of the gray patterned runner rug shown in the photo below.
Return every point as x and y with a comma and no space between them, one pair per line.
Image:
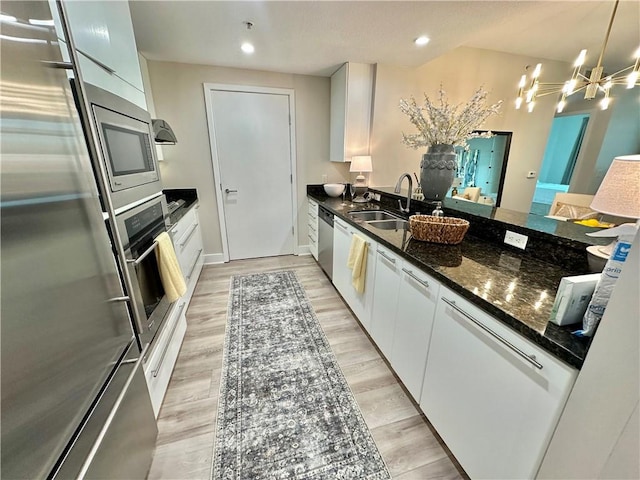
285,411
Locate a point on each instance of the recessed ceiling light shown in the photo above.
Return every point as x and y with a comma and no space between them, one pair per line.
421,41
247,48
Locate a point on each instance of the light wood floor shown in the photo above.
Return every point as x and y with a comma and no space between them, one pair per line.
187,420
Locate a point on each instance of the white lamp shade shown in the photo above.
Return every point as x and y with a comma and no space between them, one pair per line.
619,192
361,163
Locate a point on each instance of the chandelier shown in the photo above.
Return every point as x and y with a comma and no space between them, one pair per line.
579,81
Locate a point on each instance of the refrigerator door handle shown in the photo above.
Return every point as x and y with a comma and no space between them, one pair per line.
119,299
112,414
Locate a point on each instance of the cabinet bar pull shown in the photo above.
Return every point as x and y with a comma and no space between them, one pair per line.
195,262
343,227
424,283
311,228
529,358
193,229
392,260
156,370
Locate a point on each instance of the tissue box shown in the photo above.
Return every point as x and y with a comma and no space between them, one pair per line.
572,299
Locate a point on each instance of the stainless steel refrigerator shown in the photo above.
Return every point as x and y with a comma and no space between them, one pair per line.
73,396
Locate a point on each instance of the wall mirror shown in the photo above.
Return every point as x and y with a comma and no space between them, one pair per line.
483,164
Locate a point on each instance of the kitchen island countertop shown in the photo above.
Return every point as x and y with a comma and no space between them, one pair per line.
514,288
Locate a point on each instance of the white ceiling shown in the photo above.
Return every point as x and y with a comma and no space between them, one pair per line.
316,37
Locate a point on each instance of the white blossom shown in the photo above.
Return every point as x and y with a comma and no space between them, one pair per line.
443,123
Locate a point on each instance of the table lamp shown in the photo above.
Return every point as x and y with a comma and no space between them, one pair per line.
360,164
618,195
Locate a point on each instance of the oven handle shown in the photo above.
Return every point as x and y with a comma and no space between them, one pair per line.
145,254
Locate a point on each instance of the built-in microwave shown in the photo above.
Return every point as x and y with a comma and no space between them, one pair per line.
125,134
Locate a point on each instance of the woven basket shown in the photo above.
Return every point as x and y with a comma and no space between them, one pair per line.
447,230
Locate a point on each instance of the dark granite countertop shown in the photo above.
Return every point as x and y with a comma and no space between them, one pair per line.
514,287
186,197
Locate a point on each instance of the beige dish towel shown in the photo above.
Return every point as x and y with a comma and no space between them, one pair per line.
358,262
170,273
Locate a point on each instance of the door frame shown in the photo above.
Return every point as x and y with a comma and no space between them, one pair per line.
289,92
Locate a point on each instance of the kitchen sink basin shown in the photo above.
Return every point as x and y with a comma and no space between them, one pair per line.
371,215
395,224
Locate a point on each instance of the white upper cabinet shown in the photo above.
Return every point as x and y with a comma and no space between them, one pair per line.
351,93
104,39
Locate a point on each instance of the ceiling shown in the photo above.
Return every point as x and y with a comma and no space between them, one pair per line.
316,37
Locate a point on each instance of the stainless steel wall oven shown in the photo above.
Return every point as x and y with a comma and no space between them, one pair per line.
139,227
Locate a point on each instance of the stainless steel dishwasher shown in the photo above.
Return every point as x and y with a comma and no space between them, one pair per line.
325,241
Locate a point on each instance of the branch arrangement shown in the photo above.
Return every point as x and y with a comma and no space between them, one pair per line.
444,123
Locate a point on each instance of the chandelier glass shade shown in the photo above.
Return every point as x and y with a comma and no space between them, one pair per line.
581,79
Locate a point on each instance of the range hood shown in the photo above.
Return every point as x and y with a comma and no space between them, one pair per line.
163,135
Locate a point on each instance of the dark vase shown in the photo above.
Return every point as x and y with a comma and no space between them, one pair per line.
437,171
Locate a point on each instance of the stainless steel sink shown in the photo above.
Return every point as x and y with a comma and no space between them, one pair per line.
395,224
372,215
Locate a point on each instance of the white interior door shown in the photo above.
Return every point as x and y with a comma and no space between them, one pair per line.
252,143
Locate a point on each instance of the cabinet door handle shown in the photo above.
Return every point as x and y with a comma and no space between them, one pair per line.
392,260
193,229
195,262
424,283
156,370
529,358
227,190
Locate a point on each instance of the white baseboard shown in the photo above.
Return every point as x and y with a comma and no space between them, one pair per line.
304,250
213,258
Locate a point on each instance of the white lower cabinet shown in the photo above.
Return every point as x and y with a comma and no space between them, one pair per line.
493,396
313,228
159,365
360,303
417,298
385,302
187,242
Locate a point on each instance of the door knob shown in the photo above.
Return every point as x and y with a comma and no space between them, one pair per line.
226,190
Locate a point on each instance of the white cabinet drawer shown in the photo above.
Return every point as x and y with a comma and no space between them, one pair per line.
313,209
191,254
159,366
182,226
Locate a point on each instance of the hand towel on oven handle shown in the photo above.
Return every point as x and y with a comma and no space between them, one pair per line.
170,273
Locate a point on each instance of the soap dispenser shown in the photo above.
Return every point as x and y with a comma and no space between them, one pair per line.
437,212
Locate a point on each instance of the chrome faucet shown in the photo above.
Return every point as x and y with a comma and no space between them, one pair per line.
397,190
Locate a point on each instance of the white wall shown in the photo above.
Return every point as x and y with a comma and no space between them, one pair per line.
461,72
598,433
179,99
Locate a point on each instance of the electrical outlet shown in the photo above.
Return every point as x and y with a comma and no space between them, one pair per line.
325,178
515,239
